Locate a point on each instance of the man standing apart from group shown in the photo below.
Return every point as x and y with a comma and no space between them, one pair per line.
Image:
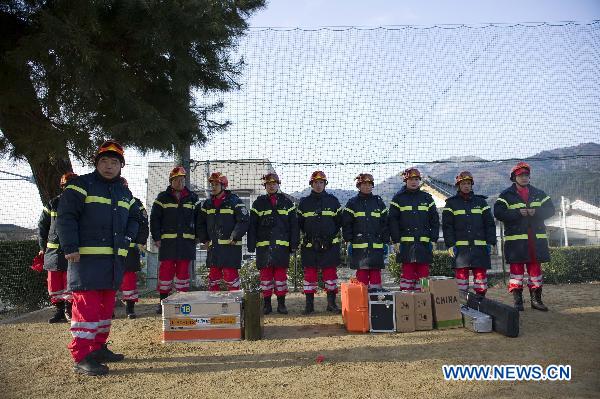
414,225
523,209
274,235
97,219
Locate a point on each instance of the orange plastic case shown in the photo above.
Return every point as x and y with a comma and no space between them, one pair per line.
355,306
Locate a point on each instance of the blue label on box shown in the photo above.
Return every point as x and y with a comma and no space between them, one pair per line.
185,308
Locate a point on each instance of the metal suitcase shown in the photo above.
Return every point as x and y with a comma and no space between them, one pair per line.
475,320
382,311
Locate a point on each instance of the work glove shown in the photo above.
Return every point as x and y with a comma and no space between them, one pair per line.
452,251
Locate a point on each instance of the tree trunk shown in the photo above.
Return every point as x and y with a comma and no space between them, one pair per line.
29,131
182,158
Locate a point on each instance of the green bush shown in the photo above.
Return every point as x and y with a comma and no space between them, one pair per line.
567,265
572,265
21,289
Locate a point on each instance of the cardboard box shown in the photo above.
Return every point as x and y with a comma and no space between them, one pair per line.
423,311
405,311
444,297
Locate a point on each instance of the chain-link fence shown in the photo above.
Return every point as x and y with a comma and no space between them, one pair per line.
350,100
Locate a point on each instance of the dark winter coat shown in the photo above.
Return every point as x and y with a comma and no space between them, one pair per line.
415,224
518,229
132,262
273,231
54,257
365,226
219,226
98,219
320,220
468,225
173,221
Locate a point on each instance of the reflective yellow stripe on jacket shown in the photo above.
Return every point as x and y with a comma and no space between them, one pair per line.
101,251
412,239
277,242
174,235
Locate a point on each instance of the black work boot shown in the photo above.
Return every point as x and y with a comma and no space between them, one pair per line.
310,304
281,309
267,308
68,310
159,307
105,355
518,298
130,310
90,366
331,305
59,314
536,300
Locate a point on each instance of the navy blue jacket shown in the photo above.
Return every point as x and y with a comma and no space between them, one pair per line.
220,226
54,257
320,220
365,226
132,262
415,224
468,225
273,231
98,219
519,229
173,222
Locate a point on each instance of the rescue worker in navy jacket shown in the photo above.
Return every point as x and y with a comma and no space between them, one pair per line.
54,257
365,227
129,292
97,218
222,223
274,234
523,209
320,220
469,233
172,225
414,224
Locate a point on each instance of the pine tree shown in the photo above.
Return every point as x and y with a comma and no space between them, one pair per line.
75,72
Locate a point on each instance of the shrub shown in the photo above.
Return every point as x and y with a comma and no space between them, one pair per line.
21,289
572,265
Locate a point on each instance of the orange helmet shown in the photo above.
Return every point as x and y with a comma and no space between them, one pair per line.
271,178
317,175
124,181
110,147
364,178
464,175
220,178
64,179
411,172
519,169
177,171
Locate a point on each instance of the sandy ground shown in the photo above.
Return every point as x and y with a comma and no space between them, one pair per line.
34,362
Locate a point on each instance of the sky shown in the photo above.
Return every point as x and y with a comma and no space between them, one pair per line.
318,13
363,95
